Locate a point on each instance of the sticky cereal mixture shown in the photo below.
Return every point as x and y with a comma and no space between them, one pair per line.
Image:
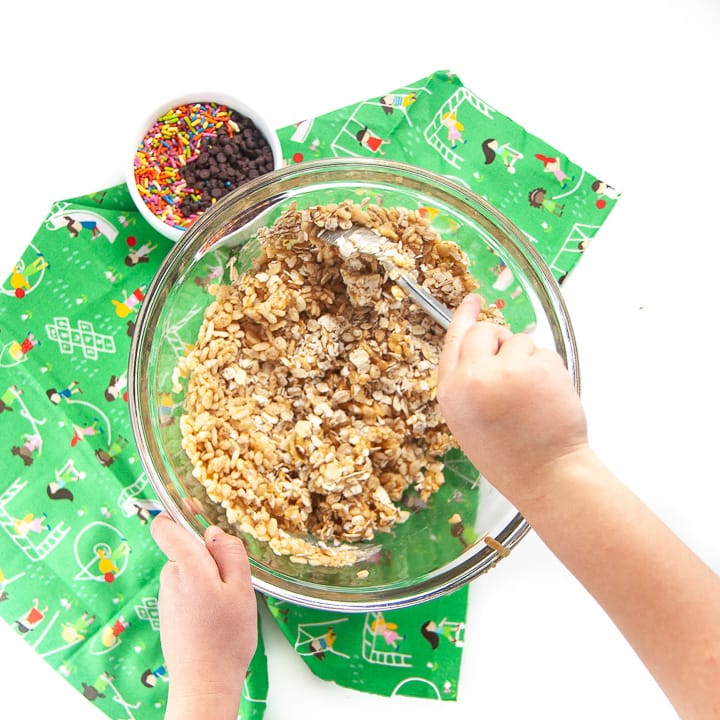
311,401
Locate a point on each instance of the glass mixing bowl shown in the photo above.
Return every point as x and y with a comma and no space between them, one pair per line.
428,555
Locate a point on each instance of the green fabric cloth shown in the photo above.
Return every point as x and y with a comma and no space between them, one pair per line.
78,568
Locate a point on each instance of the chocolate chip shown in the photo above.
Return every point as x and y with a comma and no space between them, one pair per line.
224,162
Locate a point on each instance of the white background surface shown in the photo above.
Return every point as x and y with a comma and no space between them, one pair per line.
628,90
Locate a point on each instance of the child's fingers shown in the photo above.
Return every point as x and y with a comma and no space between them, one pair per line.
229,554
519,346
464,317
483,341
175,541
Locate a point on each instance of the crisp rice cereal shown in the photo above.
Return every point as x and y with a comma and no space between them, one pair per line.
311,401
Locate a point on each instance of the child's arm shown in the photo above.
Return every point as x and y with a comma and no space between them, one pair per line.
514,410
208,620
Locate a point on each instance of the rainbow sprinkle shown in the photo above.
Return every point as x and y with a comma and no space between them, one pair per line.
171,142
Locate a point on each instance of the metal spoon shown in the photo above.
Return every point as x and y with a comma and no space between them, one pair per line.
362,240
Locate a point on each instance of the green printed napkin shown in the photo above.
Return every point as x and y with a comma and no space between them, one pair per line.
78,568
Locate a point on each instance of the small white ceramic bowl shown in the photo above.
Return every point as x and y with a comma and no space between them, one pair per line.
163,196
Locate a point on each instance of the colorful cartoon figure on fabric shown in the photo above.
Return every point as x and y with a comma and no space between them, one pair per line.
98,688
392,101
31,524
538,199
56,396
8,398
107,566
388,631
32,618
451,631
320,645
107,456
110,635
552,165
76,226
76,631
146,510
150,678
18,350
492,150
31,444
20,276
370,141
139,255
455,129
603,191
80,432
58,490
129,303
116,388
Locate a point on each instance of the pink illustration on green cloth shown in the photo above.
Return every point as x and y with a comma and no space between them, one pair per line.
80,433
552,165
387,630
30,447
455,129
130,302
31,524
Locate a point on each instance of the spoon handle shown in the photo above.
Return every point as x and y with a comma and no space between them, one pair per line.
429,304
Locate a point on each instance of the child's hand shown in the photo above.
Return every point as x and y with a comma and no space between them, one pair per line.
208,618
511,406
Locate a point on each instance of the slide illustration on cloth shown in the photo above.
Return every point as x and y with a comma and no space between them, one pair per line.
380,642
356,132
80,221
445,131
318,638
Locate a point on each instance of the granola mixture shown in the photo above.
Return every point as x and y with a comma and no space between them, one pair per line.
311,400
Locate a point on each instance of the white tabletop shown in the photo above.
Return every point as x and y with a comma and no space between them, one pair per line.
628,90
